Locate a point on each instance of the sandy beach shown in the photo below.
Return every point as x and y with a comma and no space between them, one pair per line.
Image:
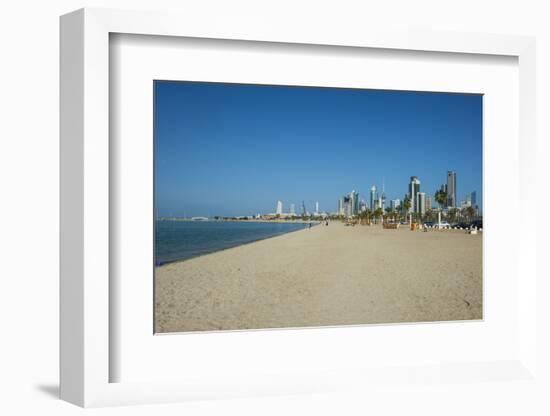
333,275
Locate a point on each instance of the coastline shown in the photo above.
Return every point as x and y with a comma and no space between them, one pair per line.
251,220
216,250
329,276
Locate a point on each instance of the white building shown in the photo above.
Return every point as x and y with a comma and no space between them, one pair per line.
395,204
279,208
373,198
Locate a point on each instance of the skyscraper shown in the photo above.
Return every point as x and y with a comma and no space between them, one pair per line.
428,203
292,210
383,197
373,198
279,208
414,189
421,203
341,206
473,198
467,202
349,204
304,211
317,207
395,204
451,189
354,202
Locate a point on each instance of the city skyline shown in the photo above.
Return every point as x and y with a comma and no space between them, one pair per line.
352,203
231,149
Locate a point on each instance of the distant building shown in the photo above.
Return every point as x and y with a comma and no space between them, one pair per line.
421,203
317,208
395,204
414,189
279,210
373,198
348,211
383,197
304,210
451,189
470,201
428,203
349,205
292,210
355,202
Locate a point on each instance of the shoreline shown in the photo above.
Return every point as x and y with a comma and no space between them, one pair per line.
328,276
278,221
229,248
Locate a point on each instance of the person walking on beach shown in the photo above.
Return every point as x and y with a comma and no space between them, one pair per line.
326,223
309,225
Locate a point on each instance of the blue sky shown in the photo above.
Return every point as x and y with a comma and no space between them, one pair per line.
233,149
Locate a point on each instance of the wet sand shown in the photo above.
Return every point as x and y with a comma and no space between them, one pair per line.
333,275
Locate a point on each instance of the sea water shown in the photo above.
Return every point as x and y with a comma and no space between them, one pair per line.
181,240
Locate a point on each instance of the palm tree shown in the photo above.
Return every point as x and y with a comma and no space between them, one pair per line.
406,204
441,198
453,214
470,213
405,207
430,215
378,212
364,217
390,213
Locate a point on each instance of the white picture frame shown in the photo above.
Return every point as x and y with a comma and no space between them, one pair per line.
86,355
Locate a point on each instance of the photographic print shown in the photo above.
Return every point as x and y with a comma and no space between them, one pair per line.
292,207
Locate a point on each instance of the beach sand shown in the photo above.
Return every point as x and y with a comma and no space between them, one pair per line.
333,275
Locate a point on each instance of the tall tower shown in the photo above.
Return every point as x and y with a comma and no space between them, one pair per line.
373,198
279,208
354,202
421,203
428,203
317,207
348,205
414,189
383,198
292,210
451,189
